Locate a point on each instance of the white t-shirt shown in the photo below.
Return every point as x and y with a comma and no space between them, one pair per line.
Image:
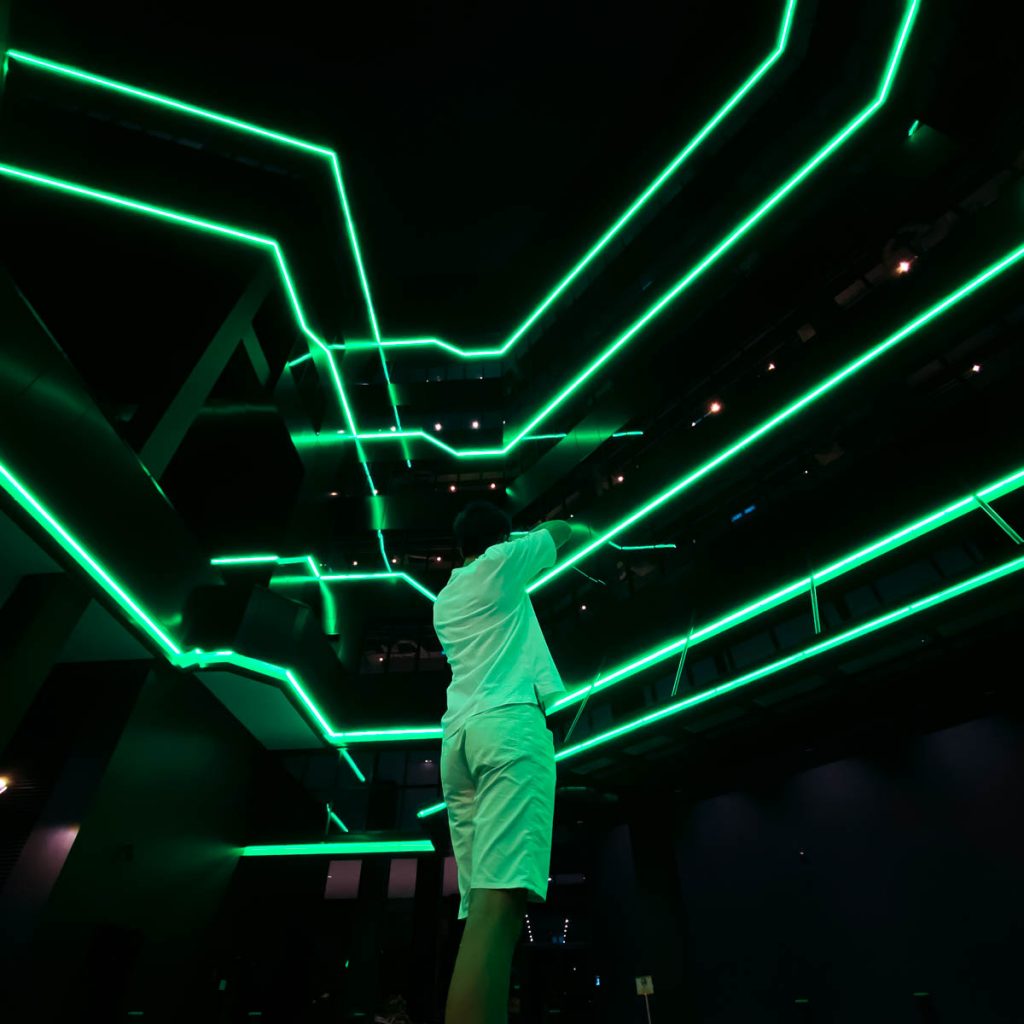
489,631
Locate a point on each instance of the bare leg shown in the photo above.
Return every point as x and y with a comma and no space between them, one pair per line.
479,990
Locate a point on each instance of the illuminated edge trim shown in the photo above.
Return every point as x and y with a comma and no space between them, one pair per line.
808,653
228,659
352,848
654,310
782,36
236,124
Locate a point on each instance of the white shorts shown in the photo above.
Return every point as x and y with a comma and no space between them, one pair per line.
498,777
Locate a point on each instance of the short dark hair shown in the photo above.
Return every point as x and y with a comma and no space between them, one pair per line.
479,525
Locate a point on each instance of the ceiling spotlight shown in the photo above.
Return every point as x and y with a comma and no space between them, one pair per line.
903,267
714,407
583,607
476,424
771,366
393,561
619,479
380,659
976,368
437,426
451,487
494,486
439,558
4,783
333,494
393,429
355,563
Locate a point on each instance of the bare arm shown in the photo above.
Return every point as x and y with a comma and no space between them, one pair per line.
560,531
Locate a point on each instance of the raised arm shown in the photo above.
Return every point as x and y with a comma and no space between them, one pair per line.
560,531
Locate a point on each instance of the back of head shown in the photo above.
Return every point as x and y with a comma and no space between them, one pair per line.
479,525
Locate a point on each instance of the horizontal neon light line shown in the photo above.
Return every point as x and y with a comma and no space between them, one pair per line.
341,848
638,547
243,559
807,654
790,411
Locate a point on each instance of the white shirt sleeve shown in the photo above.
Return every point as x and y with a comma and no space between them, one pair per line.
526,556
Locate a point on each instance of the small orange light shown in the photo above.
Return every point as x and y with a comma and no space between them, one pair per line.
715,407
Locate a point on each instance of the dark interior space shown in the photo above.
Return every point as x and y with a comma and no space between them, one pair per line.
733,291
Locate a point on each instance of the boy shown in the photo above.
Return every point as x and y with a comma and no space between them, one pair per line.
497,753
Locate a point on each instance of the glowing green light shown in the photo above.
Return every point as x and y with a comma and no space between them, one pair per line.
789,411
28,501
341,848
899,45
337,821
654,311
398,734
355,768
235,124
815,650
242,559
638,547
215,228
781,42
638,204
88,78
913,128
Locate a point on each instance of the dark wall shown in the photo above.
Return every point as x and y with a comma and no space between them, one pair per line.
852,885
135,918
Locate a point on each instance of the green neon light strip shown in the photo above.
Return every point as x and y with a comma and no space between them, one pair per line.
797,588
145,95
808,653
790,411
713,256
337,821
243,559
638,547
698,269
28,501
913,128
214,228
235,124
782,40
355,768
342,848
201,659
